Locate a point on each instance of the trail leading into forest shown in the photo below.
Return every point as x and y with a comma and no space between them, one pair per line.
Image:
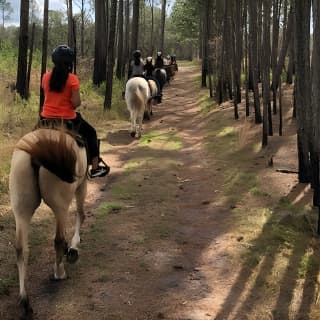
165,234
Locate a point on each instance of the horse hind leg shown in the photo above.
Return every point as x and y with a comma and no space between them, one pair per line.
24,199
133,124
60,245
72,254
139,125
22,251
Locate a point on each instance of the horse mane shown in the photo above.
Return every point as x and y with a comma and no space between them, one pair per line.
52,153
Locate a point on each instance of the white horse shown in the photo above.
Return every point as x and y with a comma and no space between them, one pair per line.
47,164
139,97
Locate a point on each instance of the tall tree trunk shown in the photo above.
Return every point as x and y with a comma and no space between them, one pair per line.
303,94
120,41
162,24
290,70
283,52
275,45
246,58
82,28
44,49
315,98
205,42
152,28
110,61
266,51
254,57
135,25
30,59
21,84
126,53
100,52
237,53
70,25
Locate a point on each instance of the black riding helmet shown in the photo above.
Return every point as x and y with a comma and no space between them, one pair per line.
137,54
62,55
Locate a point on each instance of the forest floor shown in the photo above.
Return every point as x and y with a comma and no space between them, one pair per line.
192,223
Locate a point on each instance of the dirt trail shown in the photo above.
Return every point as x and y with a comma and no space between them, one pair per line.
161,240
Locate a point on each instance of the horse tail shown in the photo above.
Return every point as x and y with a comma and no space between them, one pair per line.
56,155
137,100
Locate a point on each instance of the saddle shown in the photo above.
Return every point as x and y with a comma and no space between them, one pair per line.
68,127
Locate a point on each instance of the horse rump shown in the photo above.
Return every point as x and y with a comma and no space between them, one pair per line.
52,153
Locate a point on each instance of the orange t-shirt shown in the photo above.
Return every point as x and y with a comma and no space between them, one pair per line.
58,104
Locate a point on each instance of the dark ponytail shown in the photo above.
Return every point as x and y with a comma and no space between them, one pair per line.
59,77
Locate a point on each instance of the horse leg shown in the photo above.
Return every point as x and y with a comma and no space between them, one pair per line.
133,124
72,255
139,126
24,198
22,251
60,244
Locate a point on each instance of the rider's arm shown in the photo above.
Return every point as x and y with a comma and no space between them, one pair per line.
75,90
75,98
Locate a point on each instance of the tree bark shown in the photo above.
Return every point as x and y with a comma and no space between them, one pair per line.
30,59
275,45
100,52
254,57
126,53
266,51
315,98
303,94
21,84
120,41
44,49
110,62
135,25
162,24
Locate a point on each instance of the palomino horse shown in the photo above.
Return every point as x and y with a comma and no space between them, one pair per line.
139,97
47,164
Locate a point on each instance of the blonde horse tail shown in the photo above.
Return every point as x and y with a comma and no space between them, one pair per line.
56,155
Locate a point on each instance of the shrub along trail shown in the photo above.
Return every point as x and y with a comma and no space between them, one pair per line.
190,224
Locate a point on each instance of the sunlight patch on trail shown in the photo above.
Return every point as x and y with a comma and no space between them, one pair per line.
161,140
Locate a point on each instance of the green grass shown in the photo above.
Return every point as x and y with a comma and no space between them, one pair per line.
107,207
5,284
259,193
165,141
205,102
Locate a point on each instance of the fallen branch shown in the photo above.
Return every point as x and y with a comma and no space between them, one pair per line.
287,171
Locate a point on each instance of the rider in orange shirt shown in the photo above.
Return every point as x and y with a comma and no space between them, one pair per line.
62,97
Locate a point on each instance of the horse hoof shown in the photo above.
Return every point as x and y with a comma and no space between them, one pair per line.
72,255
133,134
27,311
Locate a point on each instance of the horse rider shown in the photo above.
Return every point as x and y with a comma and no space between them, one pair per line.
148,72
136,67
159,61
148,67
169,61
62,97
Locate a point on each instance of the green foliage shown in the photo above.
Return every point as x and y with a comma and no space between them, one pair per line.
5,10
8,58
185,19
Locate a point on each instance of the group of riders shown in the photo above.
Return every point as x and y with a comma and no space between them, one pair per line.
61,90
138,68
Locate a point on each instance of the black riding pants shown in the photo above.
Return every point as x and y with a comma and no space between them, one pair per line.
88,134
